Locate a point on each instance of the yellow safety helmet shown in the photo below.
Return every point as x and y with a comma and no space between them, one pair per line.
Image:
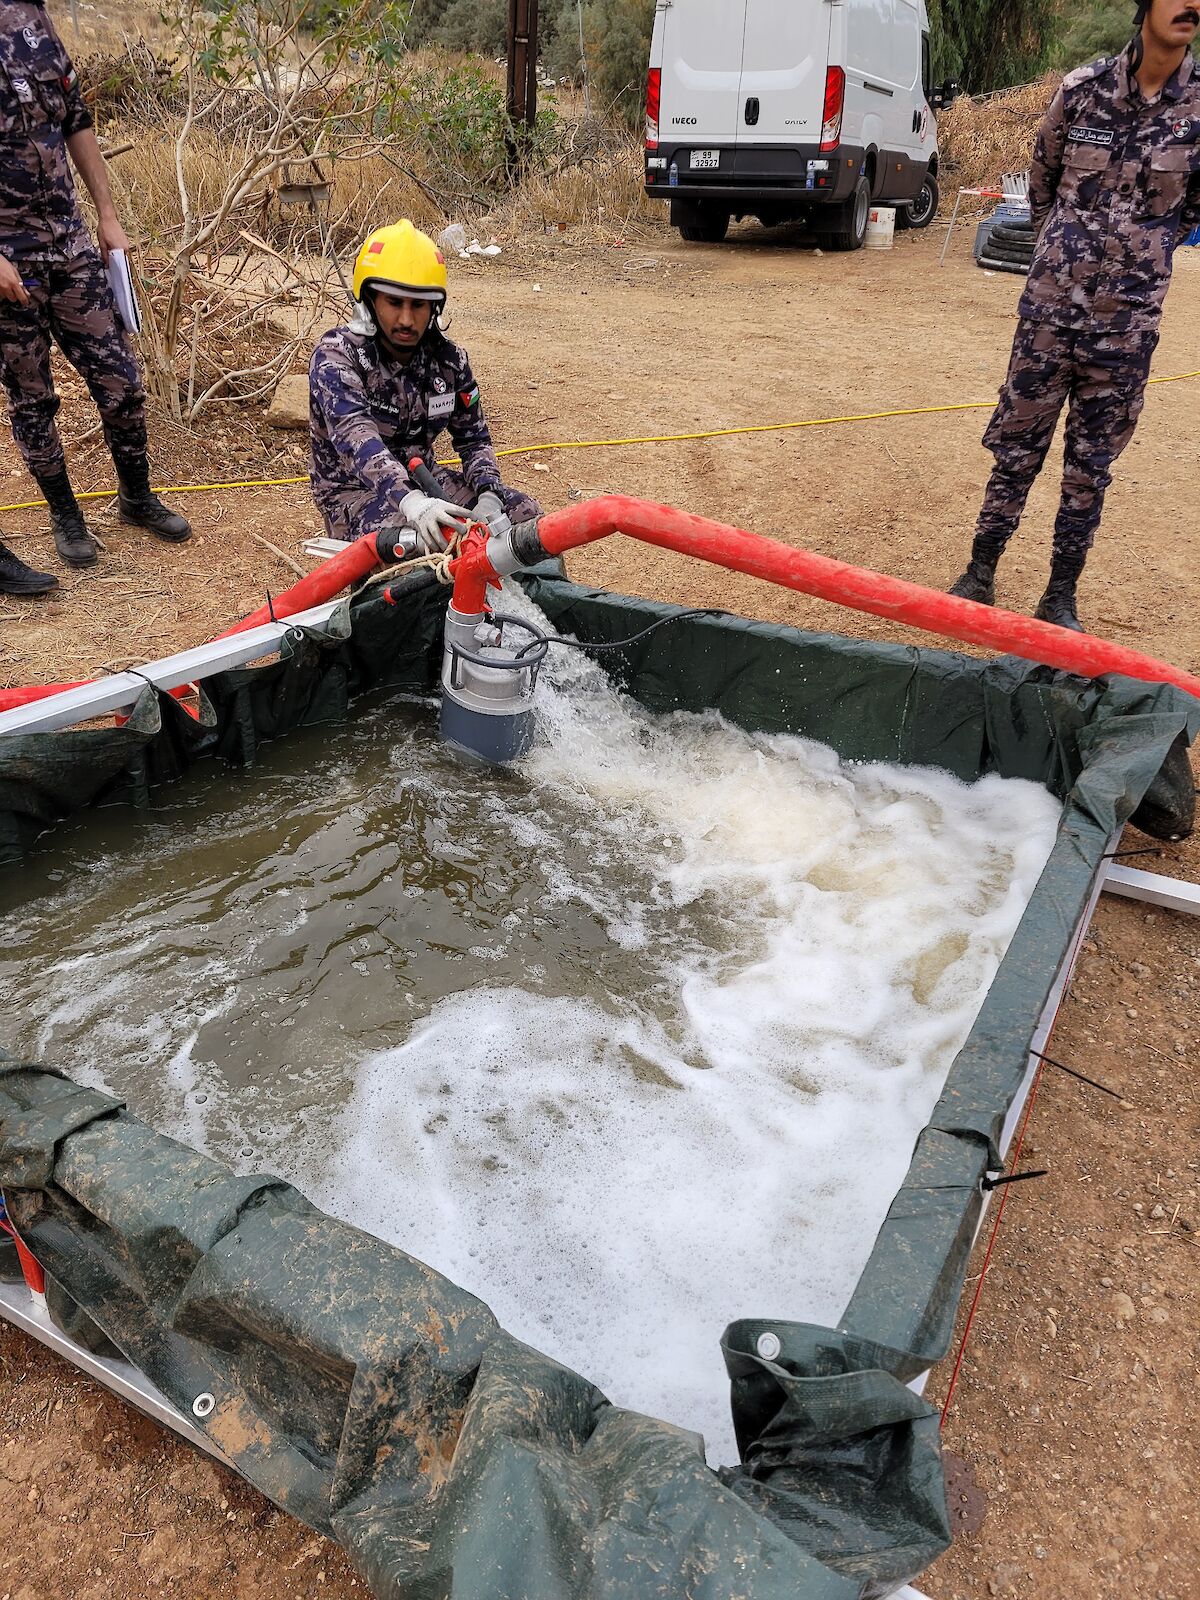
403,259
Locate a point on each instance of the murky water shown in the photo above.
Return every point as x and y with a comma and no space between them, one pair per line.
630,1042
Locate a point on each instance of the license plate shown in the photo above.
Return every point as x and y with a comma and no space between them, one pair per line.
702,159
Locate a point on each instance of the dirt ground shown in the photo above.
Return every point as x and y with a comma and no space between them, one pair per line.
1074,1412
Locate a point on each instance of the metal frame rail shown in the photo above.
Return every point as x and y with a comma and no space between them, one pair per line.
121,689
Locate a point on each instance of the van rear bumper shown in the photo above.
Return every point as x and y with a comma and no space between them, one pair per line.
775,175
802,174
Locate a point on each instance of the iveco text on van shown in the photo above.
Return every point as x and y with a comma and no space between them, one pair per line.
792,110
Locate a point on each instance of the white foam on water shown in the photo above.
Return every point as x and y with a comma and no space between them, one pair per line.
704,1118
619,1177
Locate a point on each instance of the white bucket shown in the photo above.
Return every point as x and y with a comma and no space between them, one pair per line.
881,225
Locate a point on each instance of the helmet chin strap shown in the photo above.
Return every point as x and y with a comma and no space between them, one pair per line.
1137,45
362,321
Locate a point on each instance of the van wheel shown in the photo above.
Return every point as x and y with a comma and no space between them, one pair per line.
853,229
919,213
699,223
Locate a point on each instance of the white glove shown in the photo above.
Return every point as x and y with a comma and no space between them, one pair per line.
429,516
489,507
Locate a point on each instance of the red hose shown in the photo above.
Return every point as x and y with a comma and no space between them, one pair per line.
872,592
357,560
738,551
35,1278
11,698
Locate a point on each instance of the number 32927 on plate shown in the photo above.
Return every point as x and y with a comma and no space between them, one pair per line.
702,159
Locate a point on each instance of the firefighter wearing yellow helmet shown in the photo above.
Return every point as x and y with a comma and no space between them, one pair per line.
383,388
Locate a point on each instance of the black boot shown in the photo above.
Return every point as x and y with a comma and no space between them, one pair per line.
978,582
17,578
1057,605
71,538
139,505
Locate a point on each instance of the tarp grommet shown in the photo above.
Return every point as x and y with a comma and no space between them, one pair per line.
204,1405
769,1346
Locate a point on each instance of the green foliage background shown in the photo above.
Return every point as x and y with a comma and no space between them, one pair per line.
1098,28
982,44
616,40
989,44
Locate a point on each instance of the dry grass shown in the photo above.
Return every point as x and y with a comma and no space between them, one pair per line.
597,198
364,193
597,187
107,27
981,140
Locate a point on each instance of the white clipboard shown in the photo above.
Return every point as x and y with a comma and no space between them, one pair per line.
121,283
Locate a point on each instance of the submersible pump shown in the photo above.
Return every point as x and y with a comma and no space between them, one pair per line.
489,674
490,661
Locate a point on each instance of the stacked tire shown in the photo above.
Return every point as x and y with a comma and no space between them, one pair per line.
1009,248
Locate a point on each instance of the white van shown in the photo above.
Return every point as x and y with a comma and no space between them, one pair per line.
792,110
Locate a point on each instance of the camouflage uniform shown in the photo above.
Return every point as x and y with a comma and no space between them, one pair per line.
370,414
1115,186
45,237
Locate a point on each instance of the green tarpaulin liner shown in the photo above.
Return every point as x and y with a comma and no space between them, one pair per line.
383,1404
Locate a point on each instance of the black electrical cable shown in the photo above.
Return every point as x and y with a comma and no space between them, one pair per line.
621,644
136,672
1071,1073
988,1184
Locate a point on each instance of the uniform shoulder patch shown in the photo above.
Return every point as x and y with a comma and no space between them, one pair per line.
1088,73
469,397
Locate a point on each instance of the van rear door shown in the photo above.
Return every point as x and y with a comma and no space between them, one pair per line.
701,69
785,53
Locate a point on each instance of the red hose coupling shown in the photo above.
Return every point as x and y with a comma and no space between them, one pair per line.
473,573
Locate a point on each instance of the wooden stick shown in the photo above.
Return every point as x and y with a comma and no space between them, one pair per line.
276,551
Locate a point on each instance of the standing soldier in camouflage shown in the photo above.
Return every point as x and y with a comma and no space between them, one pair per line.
382,390
1115,186
54,283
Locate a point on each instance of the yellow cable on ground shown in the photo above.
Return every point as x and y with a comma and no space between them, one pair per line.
592,444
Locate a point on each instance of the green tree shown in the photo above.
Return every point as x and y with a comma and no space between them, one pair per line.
1087,31
478,25
616,48
990,44
625,54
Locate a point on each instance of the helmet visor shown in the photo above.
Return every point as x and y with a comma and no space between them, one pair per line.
410,291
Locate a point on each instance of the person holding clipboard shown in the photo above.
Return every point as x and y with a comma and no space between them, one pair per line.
55,284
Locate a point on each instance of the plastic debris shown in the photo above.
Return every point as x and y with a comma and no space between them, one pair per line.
453,242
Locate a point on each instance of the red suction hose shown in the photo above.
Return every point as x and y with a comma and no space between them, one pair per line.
357,560
861,590
738,551
10,699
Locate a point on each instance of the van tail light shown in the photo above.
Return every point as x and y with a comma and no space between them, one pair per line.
835,100
653,103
